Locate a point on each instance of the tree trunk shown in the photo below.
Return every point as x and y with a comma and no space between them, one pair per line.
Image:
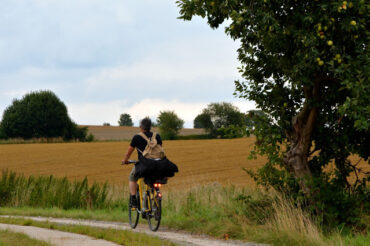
296,159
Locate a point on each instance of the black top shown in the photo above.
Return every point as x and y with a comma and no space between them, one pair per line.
140,143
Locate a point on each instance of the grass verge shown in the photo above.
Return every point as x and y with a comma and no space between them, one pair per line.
117,236
220,211
9,238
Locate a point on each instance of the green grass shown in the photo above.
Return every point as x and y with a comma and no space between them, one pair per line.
116,214
117,236
8,238
243,213
48,191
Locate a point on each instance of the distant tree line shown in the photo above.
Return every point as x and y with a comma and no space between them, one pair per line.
220,120
42,114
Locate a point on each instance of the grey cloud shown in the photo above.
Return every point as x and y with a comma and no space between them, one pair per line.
94,51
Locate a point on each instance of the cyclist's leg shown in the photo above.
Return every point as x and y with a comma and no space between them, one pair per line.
133,182
133,188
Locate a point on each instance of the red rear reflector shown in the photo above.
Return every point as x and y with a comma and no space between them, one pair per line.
159,195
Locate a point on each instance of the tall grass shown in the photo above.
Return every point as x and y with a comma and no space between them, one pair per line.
46,192
248,214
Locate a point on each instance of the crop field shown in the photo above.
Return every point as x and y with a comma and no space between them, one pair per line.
200,161
126,132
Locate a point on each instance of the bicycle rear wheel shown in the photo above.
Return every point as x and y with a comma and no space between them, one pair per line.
154,216
133,213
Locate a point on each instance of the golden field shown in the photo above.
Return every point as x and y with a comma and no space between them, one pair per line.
126,132
199,161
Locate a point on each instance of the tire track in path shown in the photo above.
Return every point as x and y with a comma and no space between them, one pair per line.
182,238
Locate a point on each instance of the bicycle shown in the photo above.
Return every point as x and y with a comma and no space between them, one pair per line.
149,198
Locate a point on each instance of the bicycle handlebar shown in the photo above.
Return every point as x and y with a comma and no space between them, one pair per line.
130,162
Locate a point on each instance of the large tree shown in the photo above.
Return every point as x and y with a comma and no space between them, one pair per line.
306,65
39,114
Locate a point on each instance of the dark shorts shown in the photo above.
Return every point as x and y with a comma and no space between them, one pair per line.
132,175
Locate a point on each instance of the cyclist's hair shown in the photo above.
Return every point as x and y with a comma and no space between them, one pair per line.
146,124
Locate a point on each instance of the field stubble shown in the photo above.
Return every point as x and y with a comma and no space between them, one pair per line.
126,132
200,161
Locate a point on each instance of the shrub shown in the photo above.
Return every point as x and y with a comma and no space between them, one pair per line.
232,131
90,138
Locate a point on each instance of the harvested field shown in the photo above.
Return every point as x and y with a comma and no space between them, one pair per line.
199,161
126,132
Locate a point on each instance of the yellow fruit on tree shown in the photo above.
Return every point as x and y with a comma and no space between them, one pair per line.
321,63
353,23
330,43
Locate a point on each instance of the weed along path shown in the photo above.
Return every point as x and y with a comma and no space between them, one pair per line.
181,238
57,238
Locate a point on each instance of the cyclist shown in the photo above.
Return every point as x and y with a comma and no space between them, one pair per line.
139,143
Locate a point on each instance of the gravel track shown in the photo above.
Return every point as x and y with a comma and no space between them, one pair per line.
58,238
182,238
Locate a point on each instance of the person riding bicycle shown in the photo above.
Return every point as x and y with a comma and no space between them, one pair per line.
139,143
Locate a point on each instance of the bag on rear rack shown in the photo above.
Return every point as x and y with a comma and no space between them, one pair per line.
155,169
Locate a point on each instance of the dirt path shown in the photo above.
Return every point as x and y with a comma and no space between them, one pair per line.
182,238
57,238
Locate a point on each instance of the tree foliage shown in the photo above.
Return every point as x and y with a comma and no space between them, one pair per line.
203,120
306,65
125,120
39,115
220,115
169,124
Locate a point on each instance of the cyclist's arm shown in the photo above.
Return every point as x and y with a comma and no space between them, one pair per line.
128,154
159,139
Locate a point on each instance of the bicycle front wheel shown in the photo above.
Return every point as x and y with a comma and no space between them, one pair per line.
154,216
133,215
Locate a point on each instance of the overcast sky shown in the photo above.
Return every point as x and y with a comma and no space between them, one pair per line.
107,57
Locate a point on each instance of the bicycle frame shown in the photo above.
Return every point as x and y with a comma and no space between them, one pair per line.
149,204
144,191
